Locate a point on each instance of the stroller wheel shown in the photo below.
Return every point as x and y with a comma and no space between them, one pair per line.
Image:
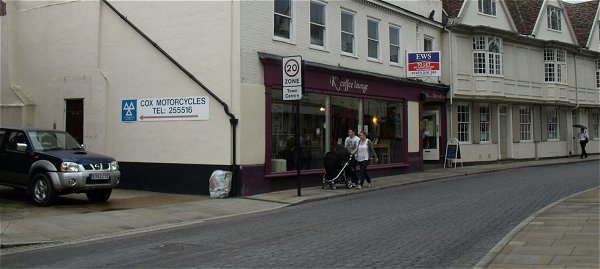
332,185
349,184
323,185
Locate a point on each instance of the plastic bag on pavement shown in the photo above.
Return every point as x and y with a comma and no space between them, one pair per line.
220,184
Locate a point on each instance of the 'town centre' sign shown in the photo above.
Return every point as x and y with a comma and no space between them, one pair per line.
292,78
165,109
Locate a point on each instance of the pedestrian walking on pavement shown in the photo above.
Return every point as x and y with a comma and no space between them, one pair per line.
583,140
364,152
351,144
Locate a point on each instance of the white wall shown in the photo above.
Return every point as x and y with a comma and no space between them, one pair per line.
257,36
471,16
84,50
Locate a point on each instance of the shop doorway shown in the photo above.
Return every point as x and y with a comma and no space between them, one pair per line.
503,129
74,118
431,136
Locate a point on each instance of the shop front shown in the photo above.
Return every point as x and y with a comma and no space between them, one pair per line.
335,100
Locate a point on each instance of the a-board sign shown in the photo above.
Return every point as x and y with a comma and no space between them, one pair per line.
292,78
453,152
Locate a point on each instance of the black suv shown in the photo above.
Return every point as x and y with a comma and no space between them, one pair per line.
48,163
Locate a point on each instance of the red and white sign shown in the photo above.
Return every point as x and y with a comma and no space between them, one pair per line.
292,78
423,64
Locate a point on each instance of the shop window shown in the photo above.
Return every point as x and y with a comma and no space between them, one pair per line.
344,115
382,120
312,132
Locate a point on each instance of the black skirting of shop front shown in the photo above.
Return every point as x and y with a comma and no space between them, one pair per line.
168,178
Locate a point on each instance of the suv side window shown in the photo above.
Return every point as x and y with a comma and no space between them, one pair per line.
2,132
14,139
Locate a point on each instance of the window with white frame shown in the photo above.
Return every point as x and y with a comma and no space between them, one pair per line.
427,43
485,123
555,65
595,123
487,7
526,123
373,38
464,120
487,55
554,18
552,119
317,23
347,32
598,74
394,44
283,19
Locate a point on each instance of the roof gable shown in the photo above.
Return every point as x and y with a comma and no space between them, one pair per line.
525,14
585,14
452,7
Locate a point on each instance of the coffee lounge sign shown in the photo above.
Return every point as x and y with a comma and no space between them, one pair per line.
345,85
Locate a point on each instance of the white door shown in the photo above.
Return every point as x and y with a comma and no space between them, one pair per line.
431,135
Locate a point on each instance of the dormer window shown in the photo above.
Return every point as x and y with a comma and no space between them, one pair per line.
554,18
487,7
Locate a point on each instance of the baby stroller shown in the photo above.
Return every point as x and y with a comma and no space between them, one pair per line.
335,163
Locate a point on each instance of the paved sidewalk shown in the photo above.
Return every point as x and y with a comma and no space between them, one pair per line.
565,234
36,231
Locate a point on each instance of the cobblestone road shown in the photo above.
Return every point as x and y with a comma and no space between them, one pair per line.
442,224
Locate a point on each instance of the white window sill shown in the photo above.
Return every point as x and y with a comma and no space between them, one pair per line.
373,60
526,141
487,15
553,140
315,47
283,40
397,64
554,30
349,55
488,75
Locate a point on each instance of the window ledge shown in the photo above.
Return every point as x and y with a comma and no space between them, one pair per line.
487,15
396,64
319,48
283,40
374,60
346,54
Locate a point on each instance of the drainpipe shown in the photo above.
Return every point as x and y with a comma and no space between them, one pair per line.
232,119
451,83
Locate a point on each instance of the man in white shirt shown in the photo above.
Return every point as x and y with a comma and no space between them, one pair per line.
351,145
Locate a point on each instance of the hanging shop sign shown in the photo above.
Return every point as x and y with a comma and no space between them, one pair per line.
423,64
165,109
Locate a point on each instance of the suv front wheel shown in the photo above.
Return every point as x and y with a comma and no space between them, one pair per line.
98,196
42,192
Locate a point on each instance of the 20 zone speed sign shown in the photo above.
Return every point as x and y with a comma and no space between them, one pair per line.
292,78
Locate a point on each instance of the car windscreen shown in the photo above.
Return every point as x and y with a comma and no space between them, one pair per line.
52,140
